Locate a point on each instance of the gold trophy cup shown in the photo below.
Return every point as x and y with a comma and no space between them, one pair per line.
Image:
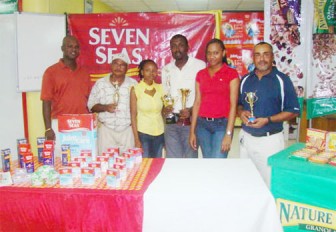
168,101
116,95
251,98
184,97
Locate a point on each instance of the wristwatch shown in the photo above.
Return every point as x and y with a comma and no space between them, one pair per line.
228,133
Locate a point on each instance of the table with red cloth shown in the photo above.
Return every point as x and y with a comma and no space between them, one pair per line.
78,208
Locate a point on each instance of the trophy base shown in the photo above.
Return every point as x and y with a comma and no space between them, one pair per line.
170,119
251,119
184,122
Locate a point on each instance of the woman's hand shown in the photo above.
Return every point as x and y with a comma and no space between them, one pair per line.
193,141
226,143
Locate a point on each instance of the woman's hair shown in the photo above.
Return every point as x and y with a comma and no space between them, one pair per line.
221,44
142,65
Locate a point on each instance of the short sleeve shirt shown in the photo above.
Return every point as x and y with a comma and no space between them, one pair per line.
275,93
67,90
102,93
215,91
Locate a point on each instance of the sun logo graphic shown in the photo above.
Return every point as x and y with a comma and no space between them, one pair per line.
118,21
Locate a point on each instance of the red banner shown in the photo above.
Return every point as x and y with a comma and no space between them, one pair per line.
139,35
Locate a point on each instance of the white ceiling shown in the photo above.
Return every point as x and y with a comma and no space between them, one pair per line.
184,5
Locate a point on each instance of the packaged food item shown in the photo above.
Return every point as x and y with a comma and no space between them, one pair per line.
327,154
40,143
87,154
113,178
20,176
318,159
97,168
22,149
66,178
87,176
103,162
29,162
331,142
20,158
300,155
48,152
76,168
332,161
5,159
316,139
324,16
66,154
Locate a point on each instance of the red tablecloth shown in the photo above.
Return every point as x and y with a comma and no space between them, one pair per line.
78,209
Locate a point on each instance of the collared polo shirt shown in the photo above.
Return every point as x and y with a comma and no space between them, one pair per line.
68,90
215,91
275,93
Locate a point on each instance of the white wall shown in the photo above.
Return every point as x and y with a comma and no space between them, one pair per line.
11,114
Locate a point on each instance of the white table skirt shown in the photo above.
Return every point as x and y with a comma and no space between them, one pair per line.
209,195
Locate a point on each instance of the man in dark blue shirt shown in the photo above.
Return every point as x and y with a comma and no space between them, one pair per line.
272,97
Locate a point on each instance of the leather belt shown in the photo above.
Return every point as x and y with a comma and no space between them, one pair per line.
210,119
266,133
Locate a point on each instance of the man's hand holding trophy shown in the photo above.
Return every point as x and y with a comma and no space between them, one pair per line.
116,95
251,98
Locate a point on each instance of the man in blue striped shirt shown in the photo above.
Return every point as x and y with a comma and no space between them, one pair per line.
274,101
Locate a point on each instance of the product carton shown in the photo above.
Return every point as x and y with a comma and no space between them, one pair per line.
80,132
5,159
88,176
76,168
331,141
29,162
113,178
23,148
20,158
66,178
316,139
40,143
66,154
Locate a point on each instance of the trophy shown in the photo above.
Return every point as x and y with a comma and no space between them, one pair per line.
184,94
168,101
251,98
116,95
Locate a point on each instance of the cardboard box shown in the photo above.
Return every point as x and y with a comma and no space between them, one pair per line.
5,159
80,132
66,178
316,138
331,141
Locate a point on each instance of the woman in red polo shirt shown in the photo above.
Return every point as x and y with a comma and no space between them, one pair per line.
215,105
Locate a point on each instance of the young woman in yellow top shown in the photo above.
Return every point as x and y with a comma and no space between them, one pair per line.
146,108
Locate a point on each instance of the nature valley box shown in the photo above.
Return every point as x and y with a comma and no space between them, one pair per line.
316,139
80,132
331,141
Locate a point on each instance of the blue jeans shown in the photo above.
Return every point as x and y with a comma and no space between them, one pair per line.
210,135
177,142
152,145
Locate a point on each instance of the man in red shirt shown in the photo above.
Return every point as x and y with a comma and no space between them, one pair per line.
65,86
